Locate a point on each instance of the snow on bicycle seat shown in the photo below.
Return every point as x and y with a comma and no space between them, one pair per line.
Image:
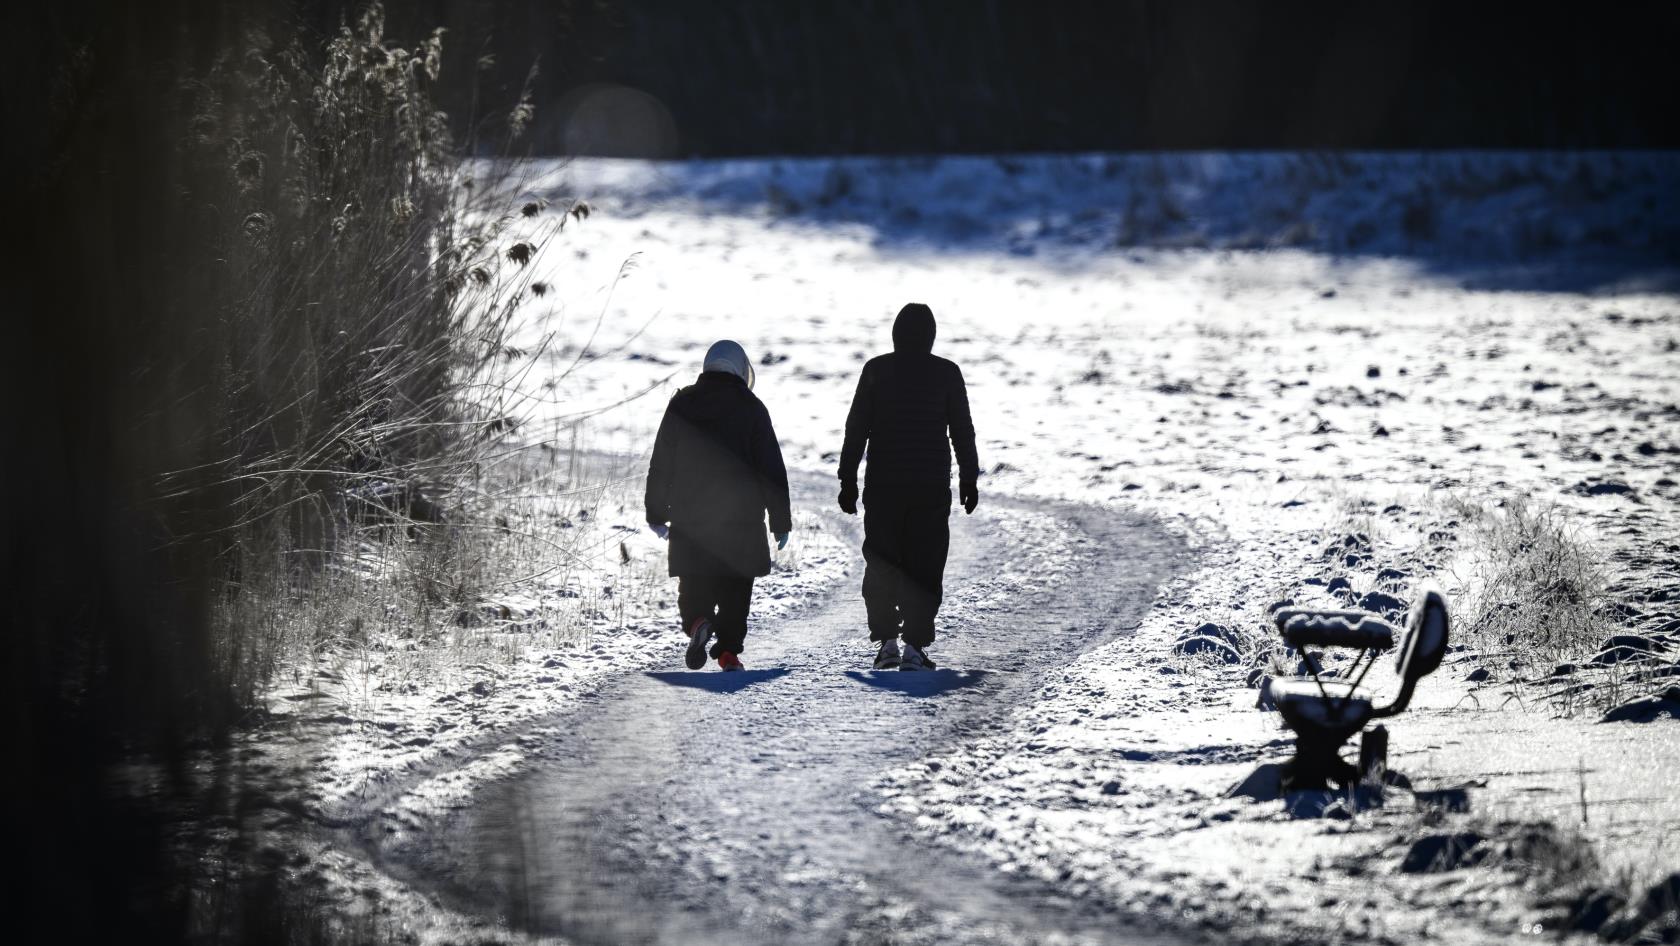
1300,701
1302,627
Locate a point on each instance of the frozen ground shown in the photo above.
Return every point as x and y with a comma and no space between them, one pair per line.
391,731
1264,356
397,706
700,807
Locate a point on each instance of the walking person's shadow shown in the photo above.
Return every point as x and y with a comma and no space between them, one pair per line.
921,682
715,681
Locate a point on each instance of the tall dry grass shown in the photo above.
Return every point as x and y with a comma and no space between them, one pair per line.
256,306
358,314
1533,584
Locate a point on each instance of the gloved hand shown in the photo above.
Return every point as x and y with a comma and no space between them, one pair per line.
969,493
660,529
781,541
848,498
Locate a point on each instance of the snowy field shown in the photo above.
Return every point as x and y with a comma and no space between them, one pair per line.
1272,352
1320,372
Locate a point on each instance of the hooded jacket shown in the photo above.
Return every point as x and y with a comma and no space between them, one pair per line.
727,355
716,470
911,410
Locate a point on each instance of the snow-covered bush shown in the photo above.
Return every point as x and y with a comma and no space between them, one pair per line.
1533,585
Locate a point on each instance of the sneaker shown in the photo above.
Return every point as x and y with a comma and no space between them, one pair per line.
728,661
699,635
887,657
915,658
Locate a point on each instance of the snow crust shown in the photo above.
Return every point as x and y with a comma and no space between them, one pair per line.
370,728
1263,351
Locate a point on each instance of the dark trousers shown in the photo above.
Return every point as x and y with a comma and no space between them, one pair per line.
906,535
722,599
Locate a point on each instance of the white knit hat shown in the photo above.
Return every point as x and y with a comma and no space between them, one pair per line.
731,357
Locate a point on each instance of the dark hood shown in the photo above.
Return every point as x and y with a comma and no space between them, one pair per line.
713,396
913,331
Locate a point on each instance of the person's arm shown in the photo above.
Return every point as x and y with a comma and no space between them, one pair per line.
660,469
961,425
772,474
857,430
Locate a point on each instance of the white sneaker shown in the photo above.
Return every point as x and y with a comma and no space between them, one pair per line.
887,657
914,658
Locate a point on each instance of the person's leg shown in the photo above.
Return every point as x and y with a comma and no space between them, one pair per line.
926,544
697,603
883,539
696,598
734,601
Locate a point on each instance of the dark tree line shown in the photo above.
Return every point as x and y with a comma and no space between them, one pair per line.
890,76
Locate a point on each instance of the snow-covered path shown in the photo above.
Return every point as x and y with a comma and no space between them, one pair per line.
702,807
1266,396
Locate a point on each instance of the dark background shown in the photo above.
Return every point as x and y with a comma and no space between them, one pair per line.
107,233
890,76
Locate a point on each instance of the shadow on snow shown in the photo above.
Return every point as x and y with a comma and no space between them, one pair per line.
1533,220
921,682
715,680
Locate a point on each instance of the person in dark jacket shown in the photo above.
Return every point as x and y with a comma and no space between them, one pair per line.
911,410
716,470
